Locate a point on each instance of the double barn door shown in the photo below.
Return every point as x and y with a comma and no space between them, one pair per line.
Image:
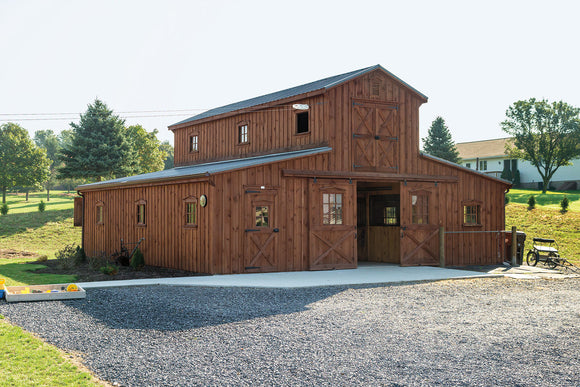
375,136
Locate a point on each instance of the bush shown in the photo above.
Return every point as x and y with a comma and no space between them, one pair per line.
70,256
564,204
98,261
506,200
41,206
531,203
4,209
137,260
109,269
42,258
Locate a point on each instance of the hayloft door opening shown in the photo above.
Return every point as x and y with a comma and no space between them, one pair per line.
261,235
378,223
375,136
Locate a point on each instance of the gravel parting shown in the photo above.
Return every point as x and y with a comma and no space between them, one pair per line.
478,332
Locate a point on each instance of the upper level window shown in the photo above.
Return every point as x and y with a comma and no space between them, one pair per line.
100,213
420,208
483,165
193,143
302,122
243,134
141,212
331,208
468,165
190,211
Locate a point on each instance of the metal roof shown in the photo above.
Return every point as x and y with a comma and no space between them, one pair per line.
325,83
205,169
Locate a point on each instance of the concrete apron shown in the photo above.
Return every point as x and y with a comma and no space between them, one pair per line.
366,273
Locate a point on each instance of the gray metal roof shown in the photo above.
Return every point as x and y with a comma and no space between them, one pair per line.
205,169
325,83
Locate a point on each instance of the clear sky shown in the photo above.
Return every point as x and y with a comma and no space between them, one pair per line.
169,60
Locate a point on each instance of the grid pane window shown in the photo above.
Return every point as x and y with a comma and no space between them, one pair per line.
471,214
420,209
243,134
390,215
262,216
193,143
331,208
191,214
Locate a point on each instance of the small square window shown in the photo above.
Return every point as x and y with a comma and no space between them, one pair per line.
243,134
331,208
483,165
471,214
302,122
193,143
262,216
390,216
468,165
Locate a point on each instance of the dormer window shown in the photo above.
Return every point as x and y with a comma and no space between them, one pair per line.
243,134
193,143
302,123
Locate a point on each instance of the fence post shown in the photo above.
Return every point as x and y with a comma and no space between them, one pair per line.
441,246
514,245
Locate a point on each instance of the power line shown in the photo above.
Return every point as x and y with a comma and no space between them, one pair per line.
123,112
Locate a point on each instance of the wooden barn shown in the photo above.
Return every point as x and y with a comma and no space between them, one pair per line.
319,176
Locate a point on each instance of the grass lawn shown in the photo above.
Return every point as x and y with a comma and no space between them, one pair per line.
27,361
25,228
546,220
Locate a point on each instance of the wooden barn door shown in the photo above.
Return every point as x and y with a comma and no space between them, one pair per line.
419,226
375,136
332,208
261,235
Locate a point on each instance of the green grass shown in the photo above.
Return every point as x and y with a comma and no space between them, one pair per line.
548,200
24,228
27,361
547,222
18,273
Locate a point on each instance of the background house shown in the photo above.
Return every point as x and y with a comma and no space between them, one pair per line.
489,157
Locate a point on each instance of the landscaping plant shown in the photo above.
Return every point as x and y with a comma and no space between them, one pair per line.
564,204
4,208
137,260
531,203
41,206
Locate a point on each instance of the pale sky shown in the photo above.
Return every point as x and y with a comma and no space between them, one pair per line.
174,59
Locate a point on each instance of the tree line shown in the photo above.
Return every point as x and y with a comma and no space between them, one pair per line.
99,147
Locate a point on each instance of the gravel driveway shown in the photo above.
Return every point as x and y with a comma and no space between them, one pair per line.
467,332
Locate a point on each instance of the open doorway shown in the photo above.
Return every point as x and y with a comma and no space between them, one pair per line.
378,222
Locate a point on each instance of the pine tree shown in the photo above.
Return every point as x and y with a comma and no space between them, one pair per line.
99,147
439,143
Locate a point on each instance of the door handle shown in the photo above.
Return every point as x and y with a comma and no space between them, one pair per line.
275,230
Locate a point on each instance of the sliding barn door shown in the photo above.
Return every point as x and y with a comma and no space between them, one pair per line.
375,136
332,208
419,225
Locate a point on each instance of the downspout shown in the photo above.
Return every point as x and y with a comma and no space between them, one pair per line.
83,222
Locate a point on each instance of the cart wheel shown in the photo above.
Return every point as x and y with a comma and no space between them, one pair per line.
552,260
532,258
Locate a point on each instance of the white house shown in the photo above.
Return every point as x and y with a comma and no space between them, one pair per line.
489,156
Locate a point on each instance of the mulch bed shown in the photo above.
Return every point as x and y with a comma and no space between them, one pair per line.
85,274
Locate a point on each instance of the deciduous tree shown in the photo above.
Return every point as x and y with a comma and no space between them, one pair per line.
146,146
168,149
545,134
439,143
21,161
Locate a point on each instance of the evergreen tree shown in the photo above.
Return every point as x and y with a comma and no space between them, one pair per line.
99,148
439,143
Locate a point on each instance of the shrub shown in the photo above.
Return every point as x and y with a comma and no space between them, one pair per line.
4,209
109,269
564,204
137,260
41,206
531,203
42,258
506,200
70,256
97,261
